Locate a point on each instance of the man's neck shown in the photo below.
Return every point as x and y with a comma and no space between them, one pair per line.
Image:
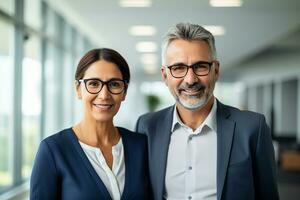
194,118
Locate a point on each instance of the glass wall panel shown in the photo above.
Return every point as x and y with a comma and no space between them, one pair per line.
68,90
51,87
79,52
31,102
50,21
6,99
33,13
7,6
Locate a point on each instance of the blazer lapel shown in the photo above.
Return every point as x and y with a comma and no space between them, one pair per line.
89,167
128,167
225,129
160,147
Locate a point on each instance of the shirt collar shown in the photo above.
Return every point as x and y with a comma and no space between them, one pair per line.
210,121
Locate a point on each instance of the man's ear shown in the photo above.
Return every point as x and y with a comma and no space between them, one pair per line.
164,74
217,69
78,89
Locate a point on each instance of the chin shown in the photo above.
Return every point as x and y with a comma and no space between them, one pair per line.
193,105
103,118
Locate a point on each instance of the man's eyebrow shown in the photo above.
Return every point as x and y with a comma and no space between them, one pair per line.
181,63
178,63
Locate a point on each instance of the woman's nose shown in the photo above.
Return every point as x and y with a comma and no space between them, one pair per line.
104,93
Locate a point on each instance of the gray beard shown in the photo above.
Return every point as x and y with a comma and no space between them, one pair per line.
200,104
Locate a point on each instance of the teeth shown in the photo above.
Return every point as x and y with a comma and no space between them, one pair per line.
191,91
103,106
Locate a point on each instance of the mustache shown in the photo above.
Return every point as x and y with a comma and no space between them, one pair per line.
195,86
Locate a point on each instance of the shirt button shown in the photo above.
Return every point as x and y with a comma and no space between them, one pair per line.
190,167
190,197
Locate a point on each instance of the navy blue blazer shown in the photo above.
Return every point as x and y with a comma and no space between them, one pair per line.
246,169
62,170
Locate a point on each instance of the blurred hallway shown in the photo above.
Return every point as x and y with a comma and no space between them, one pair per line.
258,45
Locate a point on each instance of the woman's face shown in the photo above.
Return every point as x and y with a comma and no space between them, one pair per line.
103,106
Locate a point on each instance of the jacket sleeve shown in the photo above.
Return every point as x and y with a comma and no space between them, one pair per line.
44,178
264,165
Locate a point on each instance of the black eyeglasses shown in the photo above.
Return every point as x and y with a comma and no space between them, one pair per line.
95,85
200,68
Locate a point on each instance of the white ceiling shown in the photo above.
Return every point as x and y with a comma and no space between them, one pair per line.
249,29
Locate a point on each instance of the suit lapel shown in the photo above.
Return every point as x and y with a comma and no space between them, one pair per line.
128,167
225,129
160,145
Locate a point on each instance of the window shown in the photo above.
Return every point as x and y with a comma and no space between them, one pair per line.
32,13
68,90
7,6
6,97
51,91
31,102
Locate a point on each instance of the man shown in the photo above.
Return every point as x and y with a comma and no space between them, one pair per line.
200,148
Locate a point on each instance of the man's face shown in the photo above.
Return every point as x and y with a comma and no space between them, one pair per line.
191,91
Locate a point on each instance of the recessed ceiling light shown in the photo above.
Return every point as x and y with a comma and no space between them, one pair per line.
146,47
149,59
226,3
216,30
135,3
142,30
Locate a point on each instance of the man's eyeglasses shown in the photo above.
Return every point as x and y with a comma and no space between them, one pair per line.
94,85
201,68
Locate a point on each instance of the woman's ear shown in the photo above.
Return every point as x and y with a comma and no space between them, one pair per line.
78,89
125,93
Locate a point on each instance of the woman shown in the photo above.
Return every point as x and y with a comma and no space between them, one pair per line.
94,159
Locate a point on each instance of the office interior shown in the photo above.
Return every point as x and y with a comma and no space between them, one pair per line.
41,42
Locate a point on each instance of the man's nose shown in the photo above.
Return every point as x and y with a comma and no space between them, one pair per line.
190,77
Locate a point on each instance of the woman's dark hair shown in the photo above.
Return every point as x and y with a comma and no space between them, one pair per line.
106,54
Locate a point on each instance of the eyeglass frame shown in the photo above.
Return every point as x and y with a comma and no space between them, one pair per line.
103,83
191,66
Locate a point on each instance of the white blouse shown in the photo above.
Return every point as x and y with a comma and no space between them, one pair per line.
114,179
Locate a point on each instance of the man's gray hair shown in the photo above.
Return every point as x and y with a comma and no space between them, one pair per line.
189,32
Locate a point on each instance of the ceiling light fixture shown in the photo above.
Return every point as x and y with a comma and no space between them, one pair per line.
226,3
142,30
146,47
135,3
216,30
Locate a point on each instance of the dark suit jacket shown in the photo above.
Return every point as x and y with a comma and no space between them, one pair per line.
62,170
245,154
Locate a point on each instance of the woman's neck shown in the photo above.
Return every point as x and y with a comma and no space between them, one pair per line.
97,134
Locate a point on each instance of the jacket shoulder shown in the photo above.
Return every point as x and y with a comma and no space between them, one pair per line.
60,141
59,137
242,114
149,117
